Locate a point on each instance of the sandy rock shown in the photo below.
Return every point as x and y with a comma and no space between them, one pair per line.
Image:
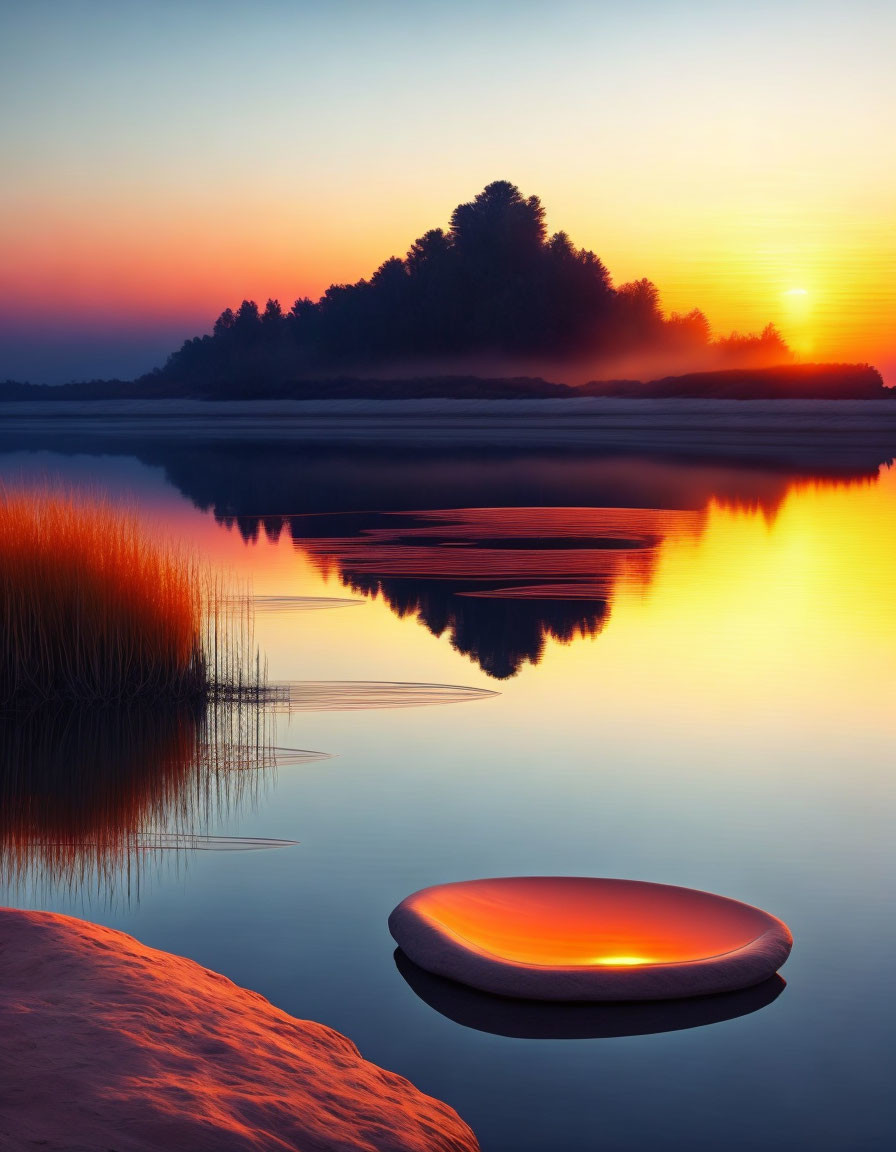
108,1045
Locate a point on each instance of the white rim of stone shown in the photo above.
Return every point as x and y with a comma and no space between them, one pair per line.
434,947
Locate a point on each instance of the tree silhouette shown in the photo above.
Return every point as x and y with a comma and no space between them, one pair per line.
499,231
495,284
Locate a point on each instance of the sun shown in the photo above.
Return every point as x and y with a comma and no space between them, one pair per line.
797,307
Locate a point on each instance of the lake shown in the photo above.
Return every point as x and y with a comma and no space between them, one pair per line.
693,665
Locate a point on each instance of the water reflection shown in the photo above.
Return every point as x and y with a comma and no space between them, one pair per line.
356,695
731,727
502,551
536,1020
88,794
499,581
255,484
500,629
300,603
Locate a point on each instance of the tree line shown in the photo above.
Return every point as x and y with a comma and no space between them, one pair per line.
494,284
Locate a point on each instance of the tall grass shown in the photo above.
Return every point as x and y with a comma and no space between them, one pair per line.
131,693
92,608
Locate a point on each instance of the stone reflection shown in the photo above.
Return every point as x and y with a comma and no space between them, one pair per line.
542,1020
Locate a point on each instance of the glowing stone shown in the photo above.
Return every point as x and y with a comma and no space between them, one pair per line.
579,938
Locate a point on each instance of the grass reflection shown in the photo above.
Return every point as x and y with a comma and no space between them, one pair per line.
88,794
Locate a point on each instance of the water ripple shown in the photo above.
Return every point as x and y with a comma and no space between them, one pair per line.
346,695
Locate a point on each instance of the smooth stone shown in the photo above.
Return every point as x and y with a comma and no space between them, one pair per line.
583,938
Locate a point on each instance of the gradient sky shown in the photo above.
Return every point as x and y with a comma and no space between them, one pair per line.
163,160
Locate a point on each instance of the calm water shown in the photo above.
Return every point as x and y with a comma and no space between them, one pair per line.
696,672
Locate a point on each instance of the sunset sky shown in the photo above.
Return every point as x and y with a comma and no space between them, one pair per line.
163,160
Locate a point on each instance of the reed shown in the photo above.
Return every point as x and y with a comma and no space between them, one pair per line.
94,609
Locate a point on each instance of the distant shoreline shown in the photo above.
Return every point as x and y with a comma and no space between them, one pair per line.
784,382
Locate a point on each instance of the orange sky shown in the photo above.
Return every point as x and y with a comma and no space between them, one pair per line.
160,169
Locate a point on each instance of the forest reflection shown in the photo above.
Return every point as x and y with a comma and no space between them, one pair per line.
502,549
500,582
503,582
88,795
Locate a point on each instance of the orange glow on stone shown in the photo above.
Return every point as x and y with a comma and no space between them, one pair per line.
575,921
530,936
